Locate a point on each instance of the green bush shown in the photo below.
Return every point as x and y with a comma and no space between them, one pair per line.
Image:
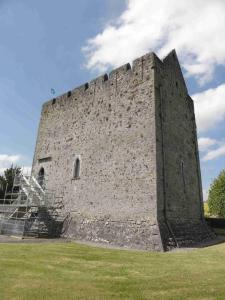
206,209
216,199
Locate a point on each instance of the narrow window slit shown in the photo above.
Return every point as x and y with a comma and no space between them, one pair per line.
76,170
183,175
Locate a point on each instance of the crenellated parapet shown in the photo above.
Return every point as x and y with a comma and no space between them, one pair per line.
139,71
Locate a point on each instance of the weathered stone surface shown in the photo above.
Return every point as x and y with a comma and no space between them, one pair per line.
135,136
126,233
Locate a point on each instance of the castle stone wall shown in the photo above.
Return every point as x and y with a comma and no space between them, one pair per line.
177,134
178,172
110,126
134,133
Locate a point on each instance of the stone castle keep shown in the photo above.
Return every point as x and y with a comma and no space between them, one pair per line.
122,152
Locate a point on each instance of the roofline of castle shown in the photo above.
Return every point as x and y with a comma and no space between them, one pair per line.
107,76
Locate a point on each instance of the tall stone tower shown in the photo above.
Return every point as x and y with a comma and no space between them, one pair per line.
122,152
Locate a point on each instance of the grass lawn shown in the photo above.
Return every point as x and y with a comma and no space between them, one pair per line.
74,271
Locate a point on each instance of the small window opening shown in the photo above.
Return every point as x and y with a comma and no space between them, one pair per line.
41,177
105,78
54,101
69,94
76,171
128,67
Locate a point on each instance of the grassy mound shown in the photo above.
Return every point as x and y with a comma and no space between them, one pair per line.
74,271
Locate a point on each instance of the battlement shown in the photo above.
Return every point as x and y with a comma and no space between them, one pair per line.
140,69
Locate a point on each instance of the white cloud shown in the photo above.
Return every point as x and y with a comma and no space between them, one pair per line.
209,107
7,160
195,28
205,143
212,148
213,154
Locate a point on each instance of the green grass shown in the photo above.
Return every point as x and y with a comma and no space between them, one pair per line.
74,271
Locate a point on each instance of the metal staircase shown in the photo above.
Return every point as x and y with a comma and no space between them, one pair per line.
31,210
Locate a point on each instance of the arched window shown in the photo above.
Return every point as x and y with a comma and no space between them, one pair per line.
41,177
76,170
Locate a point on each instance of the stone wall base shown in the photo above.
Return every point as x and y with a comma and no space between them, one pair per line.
157,236
187,233
131,234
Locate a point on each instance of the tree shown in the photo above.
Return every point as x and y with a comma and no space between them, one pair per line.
216,199
2,186
6,180
206,209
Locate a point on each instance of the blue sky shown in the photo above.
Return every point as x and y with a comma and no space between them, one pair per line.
62,44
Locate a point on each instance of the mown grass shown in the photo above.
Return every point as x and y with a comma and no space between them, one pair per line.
75,271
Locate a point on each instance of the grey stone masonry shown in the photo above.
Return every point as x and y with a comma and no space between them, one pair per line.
122,152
